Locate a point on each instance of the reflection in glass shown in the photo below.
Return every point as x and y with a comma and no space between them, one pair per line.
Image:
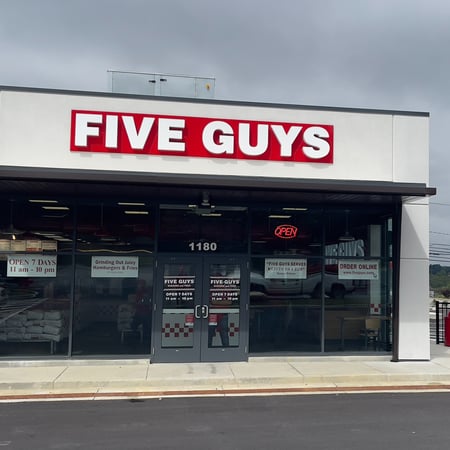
116,227
357,251
285,308
35,310
178,319
194,229
286,231
112,312
326,309
224,303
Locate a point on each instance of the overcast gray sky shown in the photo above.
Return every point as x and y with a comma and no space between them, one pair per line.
378,54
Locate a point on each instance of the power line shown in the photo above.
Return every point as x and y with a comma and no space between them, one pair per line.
439,246
440,204
437,232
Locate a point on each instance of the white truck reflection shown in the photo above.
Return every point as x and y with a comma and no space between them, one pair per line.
311,286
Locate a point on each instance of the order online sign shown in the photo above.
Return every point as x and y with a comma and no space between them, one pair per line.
358,270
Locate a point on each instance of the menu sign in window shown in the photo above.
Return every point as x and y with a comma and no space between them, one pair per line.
179,290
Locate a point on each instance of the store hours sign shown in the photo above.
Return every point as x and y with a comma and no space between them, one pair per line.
31,266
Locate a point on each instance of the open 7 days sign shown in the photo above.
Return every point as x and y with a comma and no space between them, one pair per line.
150,134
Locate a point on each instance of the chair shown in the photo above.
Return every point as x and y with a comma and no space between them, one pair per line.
124,322
138,331
371,332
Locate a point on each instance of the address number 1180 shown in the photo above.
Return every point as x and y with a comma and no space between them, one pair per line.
203,246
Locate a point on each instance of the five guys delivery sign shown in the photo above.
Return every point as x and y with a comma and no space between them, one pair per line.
152,134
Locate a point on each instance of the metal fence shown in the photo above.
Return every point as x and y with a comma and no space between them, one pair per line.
437,316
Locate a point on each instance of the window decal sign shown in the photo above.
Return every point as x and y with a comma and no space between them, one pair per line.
224,290
114,266
351,248
283,268
178,290
31,266
153,134
358,270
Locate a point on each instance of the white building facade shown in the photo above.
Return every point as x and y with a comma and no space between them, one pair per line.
206,230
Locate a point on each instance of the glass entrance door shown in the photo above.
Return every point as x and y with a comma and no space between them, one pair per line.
201,309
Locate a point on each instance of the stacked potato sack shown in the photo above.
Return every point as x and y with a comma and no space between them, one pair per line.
14,329
37,325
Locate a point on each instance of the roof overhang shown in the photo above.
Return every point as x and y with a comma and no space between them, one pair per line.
319,186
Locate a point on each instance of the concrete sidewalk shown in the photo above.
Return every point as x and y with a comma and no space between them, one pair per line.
99,379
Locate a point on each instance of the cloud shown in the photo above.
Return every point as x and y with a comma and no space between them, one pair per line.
358,53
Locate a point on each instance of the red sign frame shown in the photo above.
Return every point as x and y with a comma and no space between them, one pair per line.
205,137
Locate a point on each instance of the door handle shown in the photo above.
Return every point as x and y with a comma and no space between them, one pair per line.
205,311
197,312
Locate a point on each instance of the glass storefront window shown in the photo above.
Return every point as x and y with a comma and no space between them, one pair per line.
116,227
357,253
285,304
113,304
345,279
178,303
36,225
35,276
35,292
113,278
288,230
346,317
224,302
192,230
316,275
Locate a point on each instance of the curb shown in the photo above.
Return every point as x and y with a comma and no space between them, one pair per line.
223,392
226,384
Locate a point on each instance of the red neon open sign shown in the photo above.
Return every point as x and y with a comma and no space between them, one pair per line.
286,231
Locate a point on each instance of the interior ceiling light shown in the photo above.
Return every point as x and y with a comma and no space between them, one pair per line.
56,208
130,204
295,209
136,212
47,234
279,216
211,214
42,201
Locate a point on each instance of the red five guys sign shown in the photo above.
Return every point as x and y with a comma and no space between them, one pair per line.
150,134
